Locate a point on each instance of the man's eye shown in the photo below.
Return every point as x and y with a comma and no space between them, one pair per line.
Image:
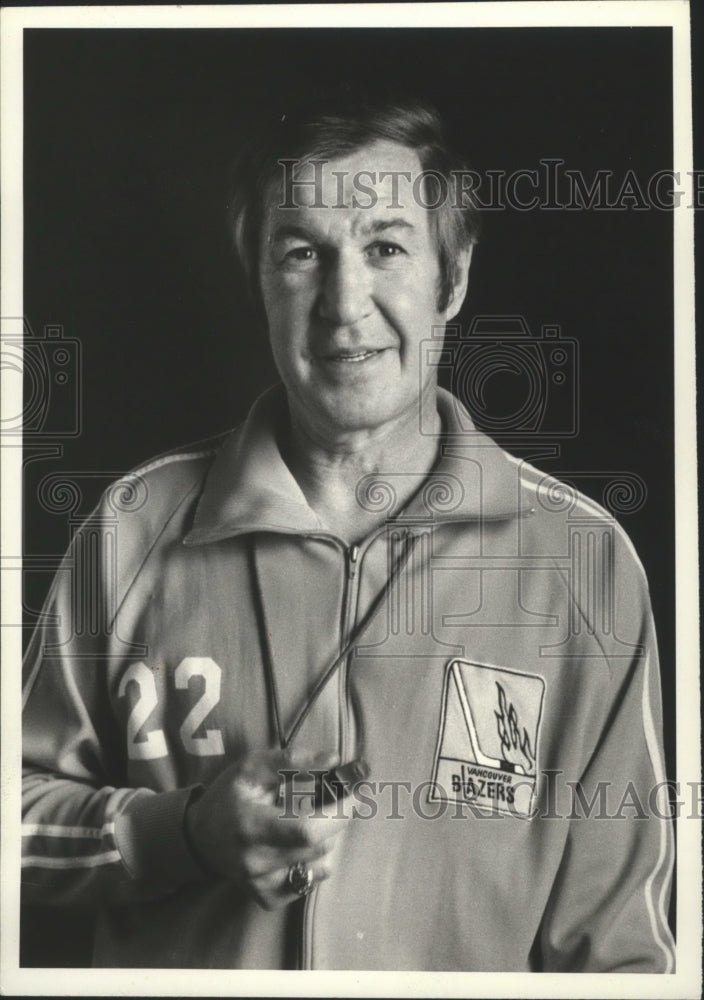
300,255
385,250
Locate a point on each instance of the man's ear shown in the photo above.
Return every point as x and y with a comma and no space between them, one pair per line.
459,291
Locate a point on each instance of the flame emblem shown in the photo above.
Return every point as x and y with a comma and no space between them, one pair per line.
515,745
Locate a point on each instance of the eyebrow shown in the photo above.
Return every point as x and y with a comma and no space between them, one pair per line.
380,225
292,231
288,231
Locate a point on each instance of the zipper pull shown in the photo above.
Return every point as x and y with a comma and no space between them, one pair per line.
352,556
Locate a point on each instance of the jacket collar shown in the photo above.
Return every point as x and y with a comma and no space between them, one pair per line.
250,488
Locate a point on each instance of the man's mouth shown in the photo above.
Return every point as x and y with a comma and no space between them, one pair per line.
353,357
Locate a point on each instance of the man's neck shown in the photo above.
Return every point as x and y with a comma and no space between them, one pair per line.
330,468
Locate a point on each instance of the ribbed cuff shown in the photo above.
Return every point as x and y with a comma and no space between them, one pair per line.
150,836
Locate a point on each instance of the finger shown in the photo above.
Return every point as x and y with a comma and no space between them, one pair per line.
262,860
264,766
276,830
276,779
277,881
259,773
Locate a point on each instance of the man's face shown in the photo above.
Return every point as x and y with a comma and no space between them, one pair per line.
350,293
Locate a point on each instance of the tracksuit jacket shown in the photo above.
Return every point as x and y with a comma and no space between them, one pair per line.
488,651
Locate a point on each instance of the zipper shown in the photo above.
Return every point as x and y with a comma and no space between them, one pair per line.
349,603
351,558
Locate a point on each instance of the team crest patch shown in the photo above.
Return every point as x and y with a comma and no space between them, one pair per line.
487,746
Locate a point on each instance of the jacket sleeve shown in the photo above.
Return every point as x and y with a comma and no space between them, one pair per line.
87,839
608,907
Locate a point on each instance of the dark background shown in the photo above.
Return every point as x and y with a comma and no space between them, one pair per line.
127,138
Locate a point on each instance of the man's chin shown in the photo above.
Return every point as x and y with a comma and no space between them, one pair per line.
362,416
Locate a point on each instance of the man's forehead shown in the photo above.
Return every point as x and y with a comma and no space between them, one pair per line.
374,183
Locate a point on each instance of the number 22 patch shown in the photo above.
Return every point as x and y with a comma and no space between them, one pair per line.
487,747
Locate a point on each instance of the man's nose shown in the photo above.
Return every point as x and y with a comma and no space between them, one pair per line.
345,295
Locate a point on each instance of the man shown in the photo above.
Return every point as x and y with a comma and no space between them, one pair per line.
357,579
